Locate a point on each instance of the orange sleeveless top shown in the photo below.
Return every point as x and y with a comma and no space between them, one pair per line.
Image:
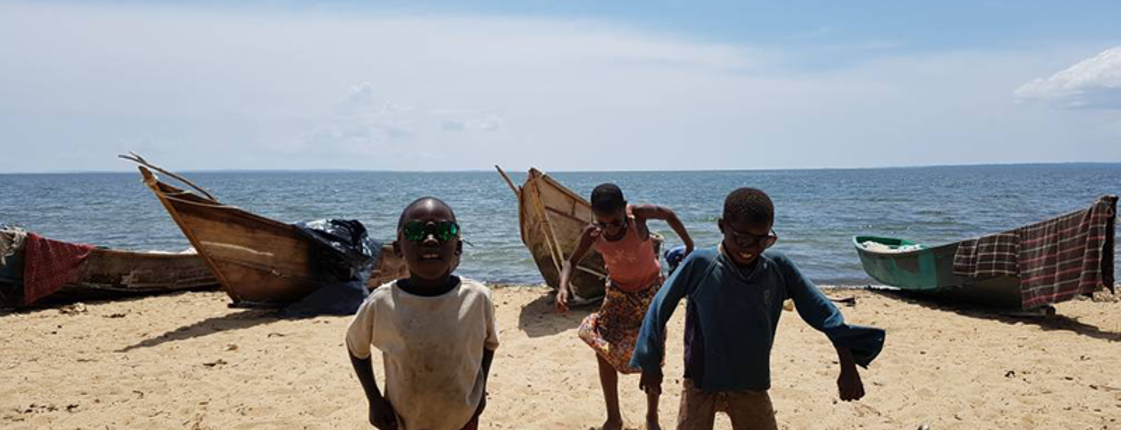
631,263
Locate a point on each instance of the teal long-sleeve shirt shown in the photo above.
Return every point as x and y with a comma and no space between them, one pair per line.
732,317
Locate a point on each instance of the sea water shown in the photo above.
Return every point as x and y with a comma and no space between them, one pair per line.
818,211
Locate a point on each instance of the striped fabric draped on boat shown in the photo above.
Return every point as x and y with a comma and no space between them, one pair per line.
1055,259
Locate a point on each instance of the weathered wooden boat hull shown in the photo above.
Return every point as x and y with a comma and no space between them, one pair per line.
552,218
256,259
138,272
112,273
931,271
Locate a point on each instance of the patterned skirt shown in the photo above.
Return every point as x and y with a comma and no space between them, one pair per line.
613,330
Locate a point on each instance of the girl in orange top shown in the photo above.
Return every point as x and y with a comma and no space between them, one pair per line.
634,275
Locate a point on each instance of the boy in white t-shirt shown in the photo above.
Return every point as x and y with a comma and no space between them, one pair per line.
436,331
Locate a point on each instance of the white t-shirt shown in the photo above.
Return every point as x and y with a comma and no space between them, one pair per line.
432,348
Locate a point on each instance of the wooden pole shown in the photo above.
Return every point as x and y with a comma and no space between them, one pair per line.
135,158
509,182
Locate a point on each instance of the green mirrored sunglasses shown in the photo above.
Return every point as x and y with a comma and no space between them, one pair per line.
417,231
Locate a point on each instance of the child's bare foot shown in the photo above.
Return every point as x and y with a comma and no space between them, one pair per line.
613,424
652,423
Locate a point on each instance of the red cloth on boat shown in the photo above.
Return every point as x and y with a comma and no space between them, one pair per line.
48,265
1055,260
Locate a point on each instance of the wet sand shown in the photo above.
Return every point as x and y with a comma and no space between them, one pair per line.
189,361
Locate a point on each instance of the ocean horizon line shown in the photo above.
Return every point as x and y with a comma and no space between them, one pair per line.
1071,164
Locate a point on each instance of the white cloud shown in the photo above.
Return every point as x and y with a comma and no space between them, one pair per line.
454,125
361,96
461,122
366,125
1094,83
490,123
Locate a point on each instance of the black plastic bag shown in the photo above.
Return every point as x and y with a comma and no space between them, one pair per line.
344,258
345,251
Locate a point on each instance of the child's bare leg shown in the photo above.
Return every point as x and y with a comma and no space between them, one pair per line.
609,380
652,410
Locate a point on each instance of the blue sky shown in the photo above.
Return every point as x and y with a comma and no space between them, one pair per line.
561,85
918,25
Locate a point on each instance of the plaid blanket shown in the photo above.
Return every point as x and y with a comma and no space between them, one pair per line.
1055,259
990,256
48,265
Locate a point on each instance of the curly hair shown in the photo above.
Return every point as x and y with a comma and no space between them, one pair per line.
749,204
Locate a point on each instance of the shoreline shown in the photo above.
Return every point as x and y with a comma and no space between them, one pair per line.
885,290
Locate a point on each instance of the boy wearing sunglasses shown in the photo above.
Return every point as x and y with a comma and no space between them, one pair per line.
436,331
735,296
620,234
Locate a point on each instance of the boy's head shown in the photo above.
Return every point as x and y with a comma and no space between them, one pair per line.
746,224
609,207
428,238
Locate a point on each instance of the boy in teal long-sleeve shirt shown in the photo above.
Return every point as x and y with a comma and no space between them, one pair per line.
735,296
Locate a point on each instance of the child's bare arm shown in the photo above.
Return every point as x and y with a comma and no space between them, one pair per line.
587,237
488,358
644,212
382,414
849,384
855,345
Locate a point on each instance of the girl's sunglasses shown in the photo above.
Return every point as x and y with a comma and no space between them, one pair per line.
417,231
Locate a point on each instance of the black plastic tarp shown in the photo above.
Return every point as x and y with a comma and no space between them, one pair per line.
344,257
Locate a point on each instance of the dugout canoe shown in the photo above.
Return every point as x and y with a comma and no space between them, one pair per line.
551,218
111,273
257,260
911,267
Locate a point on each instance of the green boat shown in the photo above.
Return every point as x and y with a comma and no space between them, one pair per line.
912,267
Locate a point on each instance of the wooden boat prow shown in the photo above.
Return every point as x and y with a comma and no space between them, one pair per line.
256,259
552,218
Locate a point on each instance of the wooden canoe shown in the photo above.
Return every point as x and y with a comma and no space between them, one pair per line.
551,218
256,259
114,273
910,267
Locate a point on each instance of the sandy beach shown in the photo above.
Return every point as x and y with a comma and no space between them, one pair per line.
189,361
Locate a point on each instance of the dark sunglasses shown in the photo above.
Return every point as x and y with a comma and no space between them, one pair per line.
417,231
747,240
